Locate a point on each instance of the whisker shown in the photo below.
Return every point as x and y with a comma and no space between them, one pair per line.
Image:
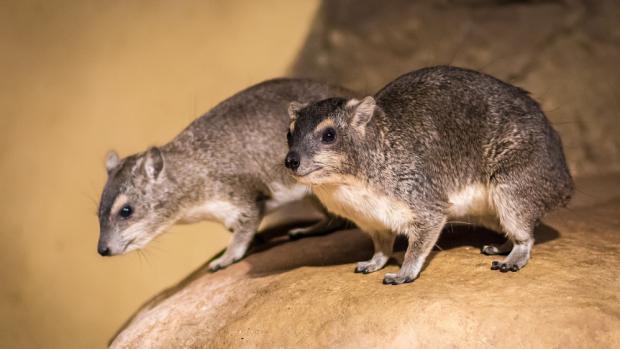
460,45
461,222
155,245
145,256
586,194
93,202
137,253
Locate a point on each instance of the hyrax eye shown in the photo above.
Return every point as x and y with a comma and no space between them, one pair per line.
328,136
289,137
126,211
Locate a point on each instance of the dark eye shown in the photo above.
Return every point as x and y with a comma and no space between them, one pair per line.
329,135
125,211
289,137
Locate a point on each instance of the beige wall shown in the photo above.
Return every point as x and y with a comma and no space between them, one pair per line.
78,78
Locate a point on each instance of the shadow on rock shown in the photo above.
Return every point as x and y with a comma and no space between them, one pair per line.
276,253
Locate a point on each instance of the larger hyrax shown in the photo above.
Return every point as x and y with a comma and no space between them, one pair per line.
225,166
434,145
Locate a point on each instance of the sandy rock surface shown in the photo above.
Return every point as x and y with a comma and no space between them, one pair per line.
304,293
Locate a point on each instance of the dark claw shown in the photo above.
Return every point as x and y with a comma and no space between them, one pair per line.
495,265
394,282
389,281
503,268
514,268
363,271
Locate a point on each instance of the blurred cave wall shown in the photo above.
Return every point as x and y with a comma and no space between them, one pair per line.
565,53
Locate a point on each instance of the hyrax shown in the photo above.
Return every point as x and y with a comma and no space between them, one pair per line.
434,145
225,166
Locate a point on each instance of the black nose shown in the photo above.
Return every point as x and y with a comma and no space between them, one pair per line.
292,160
103,250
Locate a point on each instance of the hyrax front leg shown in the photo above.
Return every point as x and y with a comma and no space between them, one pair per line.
243,228
422,237
383,242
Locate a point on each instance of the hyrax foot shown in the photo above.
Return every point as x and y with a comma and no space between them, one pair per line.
222,262
295,234
517,259
367,267
298,233
504,267
396,279
491,250
322,227
377,262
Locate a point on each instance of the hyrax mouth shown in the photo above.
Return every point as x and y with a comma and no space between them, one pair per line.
127,245
305,174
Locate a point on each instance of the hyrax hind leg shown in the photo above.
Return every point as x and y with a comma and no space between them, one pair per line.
327,224
517,219
243,227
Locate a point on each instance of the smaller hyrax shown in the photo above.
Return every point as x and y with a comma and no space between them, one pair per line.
435,145
226,166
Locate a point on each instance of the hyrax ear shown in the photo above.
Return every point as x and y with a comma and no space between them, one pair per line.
153,162
294,108
361,112
111,161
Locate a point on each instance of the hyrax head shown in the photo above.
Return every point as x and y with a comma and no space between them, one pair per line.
135,204
325,138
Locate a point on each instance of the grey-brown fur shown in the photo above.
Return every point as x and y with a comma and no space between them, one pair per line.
225,166
435,144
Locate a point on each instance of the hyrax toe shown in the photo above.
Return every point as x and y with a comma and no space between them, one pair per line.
221,263
395,279
489,250
214,267
294,236
366,267
504,267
